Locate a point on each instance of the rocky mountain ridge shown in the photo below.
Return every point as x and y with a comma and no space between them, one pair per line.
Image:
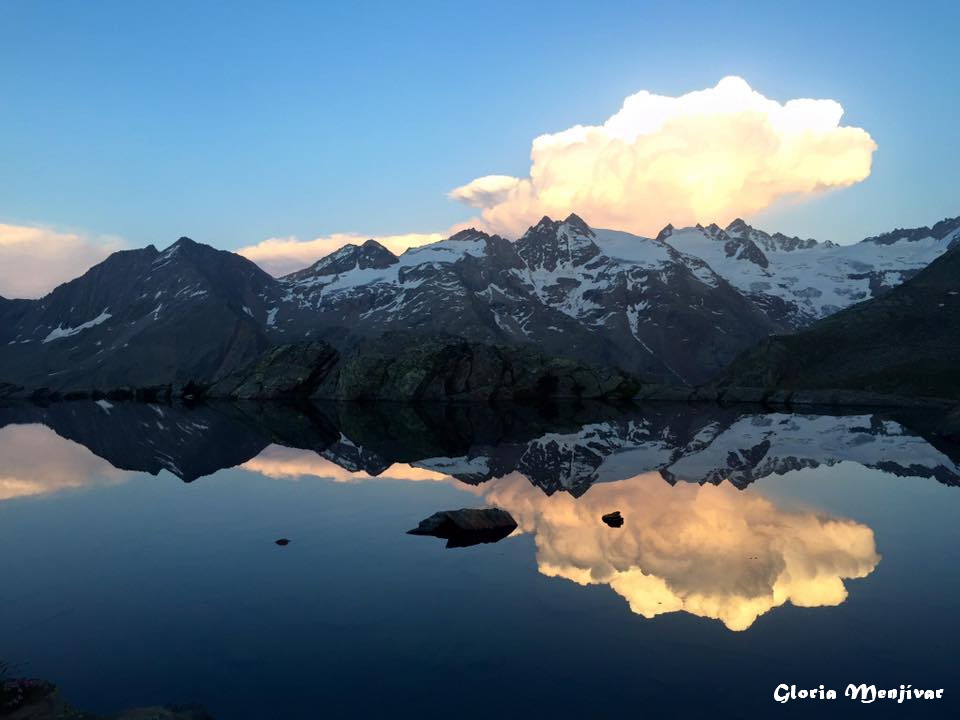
676,309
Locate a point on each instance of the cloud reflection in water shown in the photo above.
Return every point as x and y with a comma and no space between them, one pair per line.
37,461
710,550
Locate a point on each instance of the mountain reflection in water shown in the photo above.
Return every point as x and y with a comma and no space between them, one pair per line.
692,540
558,448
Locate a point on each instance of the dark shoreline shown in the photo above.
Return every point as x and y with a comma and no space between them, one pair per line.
939,417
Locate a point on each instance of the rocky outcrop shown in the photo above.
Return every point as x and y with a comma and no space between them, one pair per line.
287,371
420,369
429,369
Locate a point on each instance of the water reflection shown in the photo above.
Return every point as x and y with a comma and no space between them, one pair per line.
36,461
693,539
279,462
564,449
712,551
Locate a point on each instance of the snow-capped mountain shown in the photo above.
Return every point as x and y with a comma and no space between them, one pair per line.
678,307
664,314
904,343
797,282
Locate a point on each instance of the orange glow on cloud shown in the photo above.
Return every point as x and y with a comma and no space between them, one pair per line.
712,551
34,260
706,156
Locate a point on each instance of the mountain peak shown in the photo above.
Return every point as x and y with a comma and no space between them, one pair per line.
665,233
577,222
468,234
372,245
738,225
185,244
549,243
184,241
946,229
348,257
546,222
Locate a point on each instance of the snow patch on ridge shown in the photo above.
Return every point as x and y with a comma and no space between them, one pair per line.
62,332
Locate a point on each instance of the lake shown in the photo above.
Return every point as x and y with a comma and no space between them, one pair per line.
758,549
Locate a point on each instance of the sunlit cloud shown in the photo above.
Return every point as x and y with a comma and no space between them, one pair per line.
707,156
282,255
37,461
486,191
34,260
712,551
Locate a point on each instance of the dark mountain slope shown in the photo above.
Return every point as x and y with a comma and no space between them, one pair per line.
140,318
904,343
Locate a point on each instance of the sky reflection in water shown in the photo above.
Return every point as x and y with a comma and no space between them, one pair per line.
728,515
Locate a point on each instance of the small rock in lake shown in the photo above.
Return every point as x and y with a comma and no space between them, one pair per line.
282,542
614,519
469,526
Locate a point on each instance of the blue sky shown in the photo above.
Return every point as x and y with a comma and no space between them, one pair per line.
233,122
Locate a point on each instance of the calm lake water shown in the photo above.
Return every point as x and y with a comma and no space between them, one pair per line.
139,564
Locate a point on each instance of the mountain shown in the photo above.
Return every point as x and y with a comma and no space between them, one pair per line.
140,318
904,343
797,282
665,315
675,309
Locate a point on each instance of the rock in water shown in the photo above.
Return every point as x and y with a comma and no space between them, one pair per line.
468,526
614,519
282,542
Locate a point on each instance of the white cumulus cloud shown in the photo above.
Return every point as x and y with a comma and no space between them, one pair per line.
706,156
34,260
